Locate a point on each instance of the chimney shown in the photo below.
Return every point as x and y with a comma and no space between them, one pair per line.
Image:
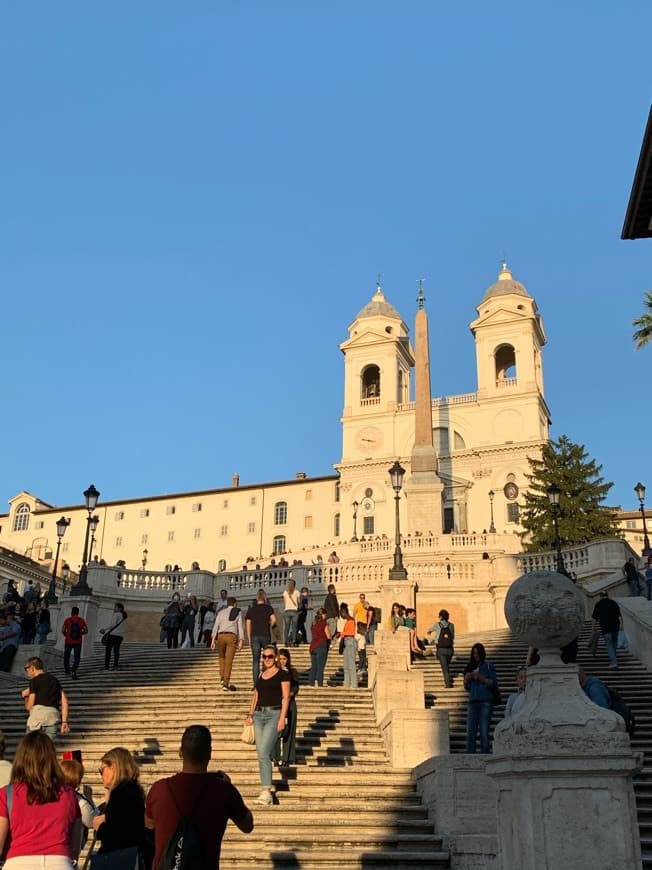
236,479
301,475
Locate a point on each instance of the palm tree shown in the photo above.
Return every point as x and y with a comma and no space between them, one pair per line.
643,334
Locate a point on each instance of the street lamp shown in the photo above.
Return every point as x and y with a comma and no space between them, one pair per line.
397,473
94,523
62,525
91,496
355,521
639,489
492,527
553,492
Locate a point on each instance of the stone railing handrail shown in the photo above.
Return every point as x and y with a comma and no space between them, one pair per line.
439,401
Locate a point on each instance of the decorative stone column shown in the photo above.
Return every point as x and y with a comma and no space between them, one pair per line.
562,766
88,609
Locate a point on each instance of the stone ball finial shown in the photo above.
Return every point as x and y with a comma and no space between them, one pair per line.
545,609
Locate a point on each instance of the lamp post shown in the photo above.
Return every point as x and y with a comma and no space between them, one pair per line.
91,496
65,573
553,492
144,560
492,527
62,525
355,521
639,489
397,572
94,523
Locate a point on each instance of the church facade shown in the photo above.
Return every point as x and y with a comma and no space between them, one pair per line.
465,456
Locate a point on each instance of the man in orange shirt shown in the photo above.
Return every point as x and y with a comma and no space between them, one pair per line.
74,629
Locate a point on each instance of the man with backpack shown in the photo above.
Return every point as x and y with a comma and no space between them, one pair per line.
189,811
610,699
74,629
443,633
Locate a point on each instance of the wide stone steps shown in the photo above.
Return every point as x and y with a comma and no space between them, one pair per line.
341,802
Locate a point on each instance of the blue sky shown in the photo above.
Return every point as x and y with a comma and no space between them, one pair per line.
196,199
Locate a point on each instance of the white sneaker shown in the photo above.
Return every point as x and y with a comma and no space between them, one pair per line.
265,798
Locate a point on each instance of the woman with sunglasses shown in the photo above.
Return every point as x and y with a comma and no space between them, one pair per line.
268,712
121,825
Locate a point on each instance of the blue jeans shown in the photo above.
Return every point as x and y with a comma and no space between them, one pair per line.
317,664
611,642
478,715
267,734
290,622
649,588
257,644
76,655
371,633
350,678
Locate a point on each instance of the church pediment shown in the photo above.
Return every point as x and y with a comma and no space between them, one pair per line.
501,316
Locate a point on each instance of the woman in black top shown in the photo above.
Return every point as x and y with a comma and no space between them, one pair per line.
289,738
122,824
268,712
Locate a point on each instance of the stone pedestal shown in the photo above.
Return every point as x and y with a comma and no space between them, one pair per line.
397,688
412,736
403,592
562,766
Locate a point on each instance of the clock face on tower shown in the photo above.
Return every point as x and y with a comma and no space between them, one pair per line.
368,439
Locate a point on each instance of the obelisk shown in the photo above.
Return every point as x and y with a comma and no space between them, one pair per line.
424,487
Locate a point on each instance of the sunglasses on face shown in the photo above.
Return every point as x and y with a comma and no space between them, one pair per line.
269,657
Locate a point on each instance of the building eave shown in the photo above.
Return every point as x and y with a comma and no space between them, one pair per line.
638,220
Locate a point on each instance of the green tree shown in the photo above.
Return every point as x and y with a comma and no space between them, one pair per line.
643,334
582,516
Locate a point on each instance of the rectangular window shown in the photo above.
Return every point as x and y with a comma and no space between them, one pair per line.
225,503
64,548
631,524
196,507
144,513
337,491
39,524
197,533
513,512
368,525
119,515
252,501
143,539
118,542
308,494
170,536
307,522
170,509
224,531
251,528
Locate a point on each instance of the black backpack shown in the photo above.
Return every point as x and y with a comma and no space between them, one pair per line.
619,706
184,849
75,629
445,640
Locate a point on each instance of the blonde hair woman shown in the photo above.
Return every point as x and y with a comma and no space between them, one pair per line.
121,825
45,818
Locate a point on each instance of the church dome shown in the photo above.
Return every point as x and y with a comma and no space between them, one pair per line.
505,286
379,307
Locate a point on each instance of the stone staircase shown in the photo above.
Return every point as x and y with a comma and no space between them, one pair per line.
342,802
631,680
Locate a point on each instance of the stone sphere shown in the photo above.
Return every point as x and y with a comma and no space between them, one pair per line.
545,609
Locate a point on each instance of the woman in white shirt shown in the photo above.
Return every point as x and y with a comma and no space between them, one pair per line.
114,635
290,613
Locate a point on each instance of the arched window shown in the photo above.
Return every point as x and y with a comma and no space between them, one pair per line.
221,565
336,525
459,442
21,518
505,358
370,382
279,545
338,491
280,513
399,387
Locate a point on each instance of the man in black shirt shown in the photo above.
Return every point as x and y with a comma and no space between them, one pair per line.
606,614
43,698
259,621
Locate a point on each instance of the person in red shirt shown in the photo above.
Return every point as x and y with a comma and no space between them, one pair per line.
45,816
208,799
74,629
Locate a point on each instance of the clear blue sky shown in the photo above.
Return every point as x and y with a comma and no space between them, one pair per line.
197,197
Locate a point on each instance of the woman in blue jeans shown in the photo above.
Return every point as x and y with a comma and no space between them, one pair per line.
346,629
480,682
320,641
268,712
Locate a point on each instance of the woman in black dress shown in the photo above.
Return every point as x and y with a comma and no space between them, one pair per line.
121,825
